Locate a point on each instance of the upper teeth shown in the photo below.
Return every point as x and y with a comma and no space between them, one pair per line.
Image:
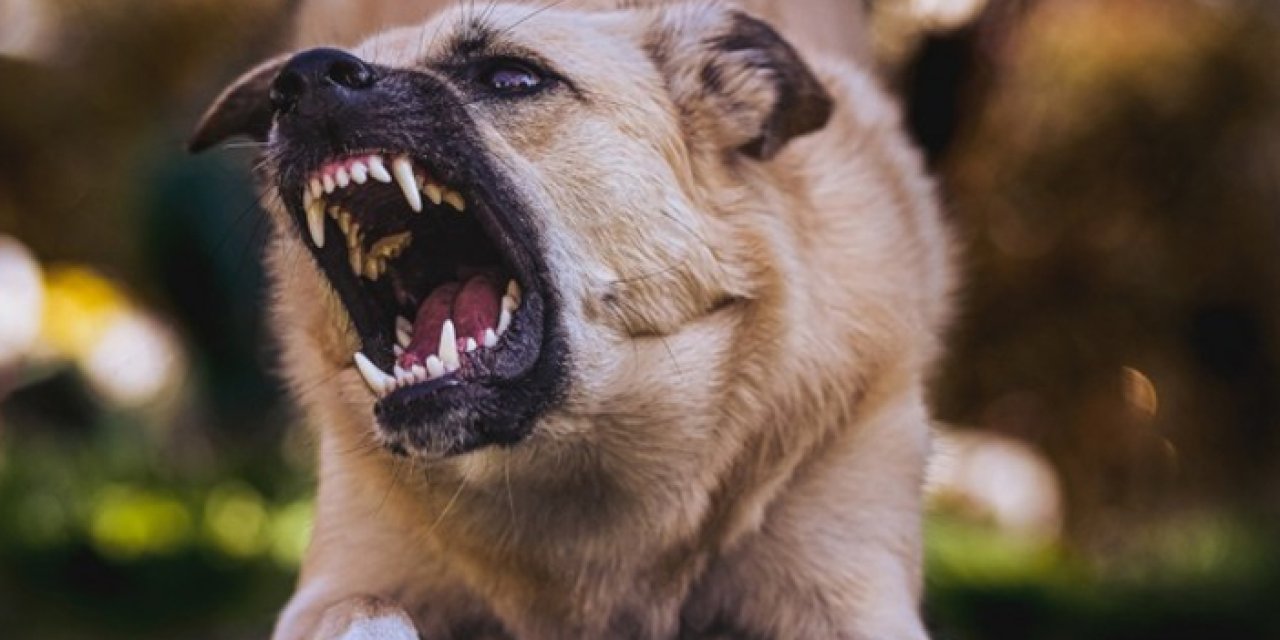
446,360
372,263
378,170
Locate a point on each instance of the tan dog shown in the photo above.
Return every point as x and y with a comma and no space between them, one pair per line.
669,294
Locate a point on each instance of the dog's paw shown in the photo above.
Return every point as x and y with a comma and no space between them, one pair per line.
366,618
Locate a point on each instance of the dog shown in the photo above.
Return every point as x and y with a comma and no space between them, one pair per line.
612,323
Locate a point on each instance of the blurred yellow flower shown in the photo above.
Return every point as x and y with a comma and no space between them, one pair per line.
129,522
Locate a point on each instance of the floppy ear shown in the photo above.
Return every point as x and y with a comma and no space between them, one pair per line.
736,82
243,108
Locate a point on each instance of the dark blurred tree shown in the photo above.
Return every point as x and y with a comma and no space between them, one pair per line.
1113,170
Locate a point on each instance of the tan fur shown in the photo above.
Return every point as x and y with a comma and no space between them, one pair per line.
831,26
743,442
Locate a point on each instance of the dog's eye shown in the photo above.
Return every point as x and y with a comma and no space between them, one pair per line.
511,77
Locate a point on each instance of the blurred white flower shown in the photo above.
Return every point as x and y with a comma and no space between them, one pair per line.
134,360
997,478
21,301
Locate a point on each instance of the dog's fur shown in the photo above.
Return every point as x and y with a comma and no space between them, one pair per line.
740,449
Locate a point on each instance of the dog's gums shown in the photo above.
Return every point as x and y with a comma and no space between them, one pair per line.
458,318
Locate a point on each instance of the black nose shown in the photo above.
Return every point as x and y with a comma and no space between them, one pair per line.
318,71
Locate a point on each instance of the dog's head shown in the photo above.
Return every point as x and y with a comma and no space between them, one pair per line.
513,206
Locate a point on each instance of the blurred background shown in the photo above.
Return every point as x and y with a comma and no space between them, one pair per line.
1109,455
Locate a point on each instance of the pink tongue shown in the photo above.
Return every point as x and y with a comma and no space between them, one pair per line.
473,306
476,307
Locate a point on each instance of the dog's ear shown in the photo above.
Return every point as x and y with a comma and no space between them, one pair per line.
243,108
736,80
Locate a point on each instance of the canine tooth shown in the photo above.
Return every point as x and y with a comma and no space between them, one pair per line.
454,199
379,382
403,324
434,193
435,368
327,181
449,347
316,187
403,171
471,345
504,321
315,222
419,373
359,172
509,304
378,170
490,339
513,290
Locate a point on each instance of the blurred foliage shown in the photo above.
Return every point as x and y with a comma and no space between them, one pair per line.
1112,166
1116,185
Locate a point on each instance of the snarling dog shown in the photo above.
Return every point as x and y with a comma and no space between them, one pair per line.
612,325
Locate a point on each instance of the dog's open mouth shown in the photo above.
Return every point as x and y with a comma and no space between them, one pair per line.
439,289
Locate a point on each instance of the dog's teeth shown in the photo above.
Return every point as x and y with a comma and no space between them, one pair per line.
434,193
391,246
448,351
435,368
403,171
355,256
404,332
454,199
379,382
490,339
316,187
513,290
504,321
373,268
344,222
404,377
419,373
471,345
327,181
359,172
509,304
342,178
315,222
378,170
